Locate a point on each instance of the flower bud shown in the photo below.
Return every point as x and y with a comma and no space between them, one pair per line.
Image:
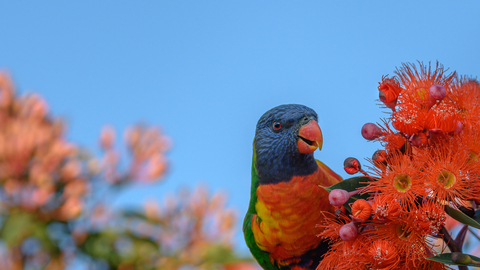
382,97
379,159
361,210
419,140
370,131
379,156
338,197
389,89
436,94
348,232
351,165
391,105
460,258
459,128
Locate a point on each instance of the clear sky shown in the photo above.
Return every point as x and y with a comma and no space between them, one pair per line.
205,71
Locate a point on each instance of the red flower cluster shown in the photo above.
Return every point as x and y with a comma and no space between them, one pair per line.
430,160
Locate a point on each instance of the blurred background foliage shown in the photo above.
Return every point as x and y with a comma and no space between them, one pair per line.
56,200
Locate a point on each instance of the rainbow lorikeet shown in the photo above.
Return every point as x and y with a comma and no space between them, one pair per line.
286,200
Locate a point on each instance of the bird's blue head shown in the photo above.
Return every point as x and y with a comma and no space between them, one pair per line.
285,139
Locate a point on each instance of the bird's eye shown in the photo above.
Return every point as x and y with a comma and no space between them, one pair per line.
277,125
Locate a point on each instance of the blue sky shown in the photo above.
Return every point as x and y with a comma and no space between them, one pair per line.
205,71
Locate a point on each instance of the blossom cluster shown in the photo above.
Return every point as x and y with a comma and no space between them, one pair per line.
429,162
56,199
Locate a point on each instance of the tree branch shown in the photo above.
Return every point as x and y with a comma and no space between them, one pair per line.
453,245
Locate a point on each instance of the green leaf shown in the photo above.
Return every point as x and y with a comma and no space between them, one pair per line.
101,245
16,228
116,247
352,184
129,213
446,258
22,225
219,254
40,231
461,217
134,214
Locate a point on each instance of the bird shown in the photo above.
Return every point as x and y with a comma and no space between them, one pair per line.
287,195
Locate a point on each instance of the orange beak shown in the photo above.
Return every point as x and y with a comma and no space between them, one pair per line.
309,138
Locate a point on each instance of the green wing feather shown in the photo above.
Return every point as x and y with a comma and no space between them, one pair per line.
261,256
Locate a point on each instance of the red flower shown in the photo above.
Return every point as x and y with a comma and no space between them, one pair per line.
409,119
443,116
389,89
401,182
447,173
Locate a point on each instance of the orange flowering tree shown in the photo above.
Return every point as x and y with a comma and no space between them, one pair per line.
54,200
395,217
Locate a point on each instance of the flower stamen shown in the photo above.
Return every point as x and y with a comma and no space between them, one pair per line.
402,182
446,178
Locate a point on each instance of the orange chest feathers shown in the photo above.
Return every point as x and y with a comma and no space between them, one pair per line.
286,216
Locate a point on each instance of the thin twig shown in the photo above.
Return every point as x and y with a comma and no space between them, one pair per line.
367,175
461,236
452,244
447,238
